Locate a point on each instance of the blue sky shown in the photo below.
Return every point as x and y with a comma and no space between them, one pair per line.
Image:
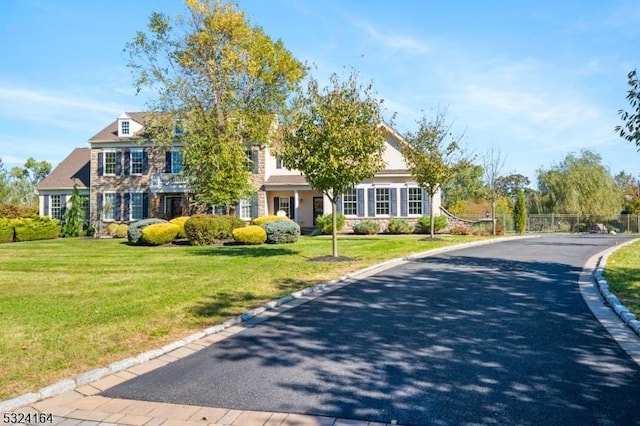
534,79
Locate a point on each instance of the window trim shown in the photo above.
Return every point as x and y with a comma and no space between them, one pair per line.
105,154
52,206
242,205
409,200
288,203
112,194
378,201
353,203
131,162
178,152
131,217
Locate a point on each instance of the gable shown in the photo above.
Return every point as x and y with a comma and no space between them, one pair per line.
73,169
392,154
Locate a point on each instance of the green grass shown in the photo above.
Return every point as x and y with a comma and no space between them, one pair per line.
622,272
71,305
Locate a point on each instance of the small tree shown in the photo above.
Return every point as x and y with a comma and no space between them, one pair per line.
334,137
434,156
493,163
520,213
73,218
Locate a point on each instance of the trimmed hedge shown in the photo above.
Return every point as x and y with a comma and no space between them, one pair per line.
267,219
134,233
37,228
158,234
180,221
367,227
424,224
252,234
206,229
117,230
324,223
6,231
399,226
282,232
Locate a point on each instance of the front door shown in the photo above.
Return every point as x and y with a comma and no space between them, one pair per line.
318,208
173,207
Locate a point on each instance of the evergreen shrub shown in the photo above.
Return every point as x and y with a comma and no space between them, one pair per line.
134,233
281,232
367,227
158,234
424,224
37,228
324,223
252,234
118,230
206,229
266,219
180,221
399,226
6,231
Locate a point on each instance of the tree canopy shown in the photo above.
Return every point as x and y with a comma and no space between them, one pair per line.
630,129
334,136
224,81
22,181
465,185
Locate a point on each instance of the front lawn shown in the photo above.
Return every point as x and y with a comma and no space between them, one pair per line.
71,305
622,273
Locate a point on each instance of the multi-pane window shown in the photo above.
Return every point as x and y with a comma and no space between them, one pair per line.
382,201
125,128
285,205
108,206
137,158
415,200
249,160
56,207
245,209
176,161
279,162
349,203
135,207
110,163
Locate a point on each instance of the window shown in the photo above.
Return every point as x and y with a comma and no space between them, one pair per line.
349,203
108,206
249,159
137,158
284,205
176,161
177,129
382,201
56,206
279,162
245,208
124,130
135,206
110,163
415,201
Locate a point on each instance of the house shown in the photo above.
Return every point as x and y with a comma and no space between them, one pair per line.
131,179
55,190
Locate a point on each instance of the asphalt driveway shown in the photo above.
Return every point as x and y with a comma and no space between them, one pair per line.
496,334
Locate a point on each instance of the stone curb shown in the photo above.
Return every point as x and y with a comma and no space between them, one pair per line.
629,318
118,366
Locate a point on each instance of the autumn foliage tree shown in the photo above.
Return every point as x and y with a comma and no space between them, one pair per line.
223,81
335,137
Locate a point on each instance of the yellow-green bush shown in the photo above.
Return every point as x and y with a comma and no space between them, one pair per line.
159,233
266,219
117,230
180,221
252,234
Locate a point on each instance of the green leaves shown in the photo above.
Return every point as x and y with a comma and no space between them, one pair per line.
630,130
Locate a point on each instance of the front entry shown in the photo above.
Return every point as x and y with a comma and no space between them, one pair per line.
318,208
172,207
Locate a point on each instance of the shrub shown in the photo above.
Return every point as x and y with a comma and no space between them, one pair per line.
367,227
281,232
252,234
205,229
134,233
180,221
37,228
15,211
118,230
158,234
399,226
324,223
485,228
6,231
460,229
424,224
266,219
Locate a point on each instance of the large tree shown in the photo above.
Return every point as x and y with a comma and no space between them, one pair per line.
224,81
434,156
580,184
464,186
630,129
23,181
5,190
335,137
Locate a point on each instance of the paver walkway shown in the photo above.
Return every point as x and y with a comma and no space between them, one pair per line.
497,334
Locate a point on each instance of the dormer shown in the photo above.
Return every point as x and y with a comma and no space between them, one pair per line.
124,126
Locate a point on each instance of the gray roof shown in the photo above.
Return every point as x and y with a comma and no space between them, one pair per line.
73,169
293,180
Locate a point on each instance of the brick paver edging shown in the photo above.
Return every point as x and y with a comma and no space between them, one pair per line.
127,363
628,317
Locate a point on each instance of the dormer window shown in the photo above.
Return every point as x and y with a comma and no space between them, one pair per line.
124,128
177,129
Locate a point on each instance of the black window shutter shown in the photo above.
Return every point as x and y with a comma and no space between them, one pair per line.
292,207
276,205
127,162
145,205
46,205
339,207
117,207
167,162
127,206
254,160
254,207
426,204
145,162
118,163
360,202
100,164
371,204
393,199
404,204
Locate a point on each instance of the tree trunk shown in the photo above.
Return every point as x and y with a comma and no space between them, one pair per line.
334,225
493,217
